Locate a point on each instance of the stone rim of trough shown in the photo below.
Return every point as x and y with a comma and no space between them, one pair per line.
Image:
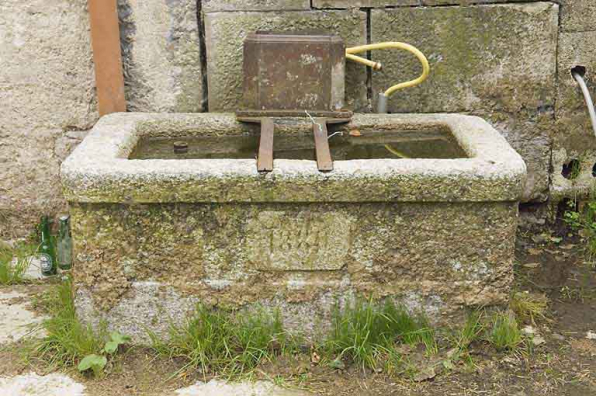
99,170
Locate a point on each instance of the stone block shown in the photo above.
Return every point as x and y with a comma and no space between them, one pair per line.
493,57
578,15
531,136
399,3
575,49
66,143
572,173
574,138
136,262
225,34
161,55
466,2
322,4
255,5
496,61
46,87
363,3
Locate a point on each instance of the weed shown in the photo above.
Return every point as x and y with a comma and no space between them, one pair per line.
93,362
581,293
529,306
367,334
226,342
67,341
505,334
583,220
571,294
14,262
97,363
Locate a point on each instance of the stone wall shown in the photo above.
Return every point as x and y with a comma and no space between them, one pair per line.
495,61
162,55
507,61
46,104
574,145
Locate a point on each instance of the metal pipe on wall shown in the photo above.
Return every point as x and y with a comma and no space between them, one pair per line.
579,77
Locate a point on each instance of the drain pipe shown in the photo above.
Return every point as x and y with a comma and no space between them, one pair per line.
578,74
382,103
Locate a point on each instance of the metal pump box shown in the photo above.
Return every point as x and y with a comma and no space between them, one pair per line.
294,72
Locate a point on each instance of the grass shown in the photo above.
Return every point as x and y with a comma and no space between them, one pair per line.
14,262
234,343
529,307
470,332
505,334
501,330
367,334
225,342
68,341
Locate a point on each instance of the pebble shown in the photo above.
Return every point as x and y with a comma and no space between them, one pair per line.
16,319
221,388
559,337
32,384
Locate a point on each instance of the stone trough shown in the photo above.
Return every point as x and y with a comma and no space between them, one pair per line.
155,235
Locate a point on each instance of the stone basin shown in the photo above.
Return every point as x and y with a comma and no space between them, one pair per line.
154,237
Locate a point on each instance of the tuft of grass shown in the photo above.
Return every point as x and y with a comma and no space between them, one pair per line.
505,334
462,338
68,341
529,306
368,334
470,332
14,262
230,343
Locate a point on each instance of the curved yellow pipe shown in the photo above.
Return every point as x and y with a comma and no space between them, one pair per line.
369,63
391,44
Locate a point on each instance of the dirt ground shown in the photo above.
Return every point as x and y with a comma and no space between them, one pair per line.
553,265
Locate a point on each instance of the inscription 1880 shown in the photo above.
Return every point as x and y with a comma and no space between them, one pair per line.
289,241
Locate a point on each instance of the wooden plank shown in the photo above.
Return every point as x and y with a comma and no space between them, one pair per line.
265,159
324,161
105,39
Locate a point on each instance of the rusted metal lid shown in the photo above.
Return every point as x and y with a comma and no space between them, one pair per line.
290,73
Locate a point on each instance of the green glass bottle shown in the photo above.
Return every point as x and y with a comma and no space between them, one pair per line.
64,244
47,255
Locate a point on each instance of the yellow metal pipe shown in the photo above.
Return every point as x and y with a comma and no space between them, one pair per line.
392,44
364,61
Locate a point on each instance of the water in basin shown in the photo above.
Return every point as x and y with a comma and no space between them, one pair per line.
369,144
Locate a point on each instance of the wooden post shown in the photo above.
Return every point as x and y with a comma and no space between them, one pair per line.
105,39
